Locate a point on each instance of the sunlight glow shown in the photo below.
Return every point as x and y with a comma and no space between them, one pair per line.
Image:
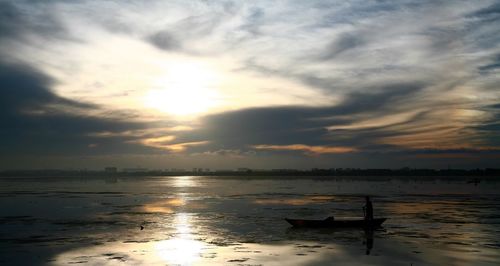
183,249
185,89
184,181
179,251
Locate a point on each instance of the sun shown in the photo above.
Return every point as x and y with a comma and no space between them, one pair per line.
181,101
185,89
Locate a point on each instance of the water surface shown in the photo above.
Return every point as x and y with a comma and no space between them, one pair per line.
239,221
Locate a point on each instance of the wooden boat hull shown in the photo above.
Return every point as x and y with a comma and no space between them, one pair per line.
337,223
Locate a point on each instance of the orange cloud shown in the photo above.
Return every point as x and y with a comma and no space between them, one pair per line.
139,132
306,148
164,143
178,147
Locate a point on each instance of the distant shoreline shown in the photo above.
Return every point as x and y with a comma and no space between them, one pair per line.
338,172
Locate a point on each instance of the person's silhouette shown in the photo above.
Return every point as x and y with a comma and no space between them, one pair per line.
369,240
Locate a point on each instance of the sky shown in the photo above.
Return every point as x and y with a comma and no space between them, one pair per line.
259,84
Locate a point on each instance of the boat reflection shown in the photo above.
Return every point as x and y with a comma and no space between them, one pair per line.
368,240
338,236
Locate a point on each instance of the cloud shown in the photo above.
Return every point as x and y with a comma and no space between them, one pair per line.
164,40
490,129
25,92
382,120
287,127
343,43
379,77
495,64
18,22
313,150
36,121
168,143
489,13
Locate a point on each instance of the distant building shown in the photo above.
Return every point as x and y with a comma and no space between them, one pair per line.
110,169
285,170
223,170
134,170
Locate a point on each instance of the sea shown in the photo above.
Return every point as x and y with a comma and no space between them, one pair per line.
201,220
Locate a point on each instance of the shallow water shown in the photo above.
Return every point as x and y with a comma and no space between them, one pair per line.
239,221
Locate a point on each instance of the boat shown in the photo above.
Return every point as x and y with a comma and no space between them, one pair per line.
330,222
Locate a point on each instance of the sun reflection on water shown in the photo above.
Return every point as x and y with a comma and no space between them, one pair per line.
184,181
179,251
182,249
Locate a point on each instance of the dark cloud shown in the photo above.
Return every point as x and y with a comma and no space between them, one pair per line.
25,89
490,129
489,13
16,22
262,126
299,124
482,29
240,131
36,121
323,83
164,40
9,17
495,64
378,98
331,85
343,43
253,22
196,27
497,106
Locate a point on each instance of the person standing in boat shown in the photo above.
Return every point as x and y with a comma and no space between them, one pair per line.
368,210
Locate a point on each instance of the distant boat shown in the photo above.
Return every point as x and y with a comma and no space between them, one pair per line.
336,223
